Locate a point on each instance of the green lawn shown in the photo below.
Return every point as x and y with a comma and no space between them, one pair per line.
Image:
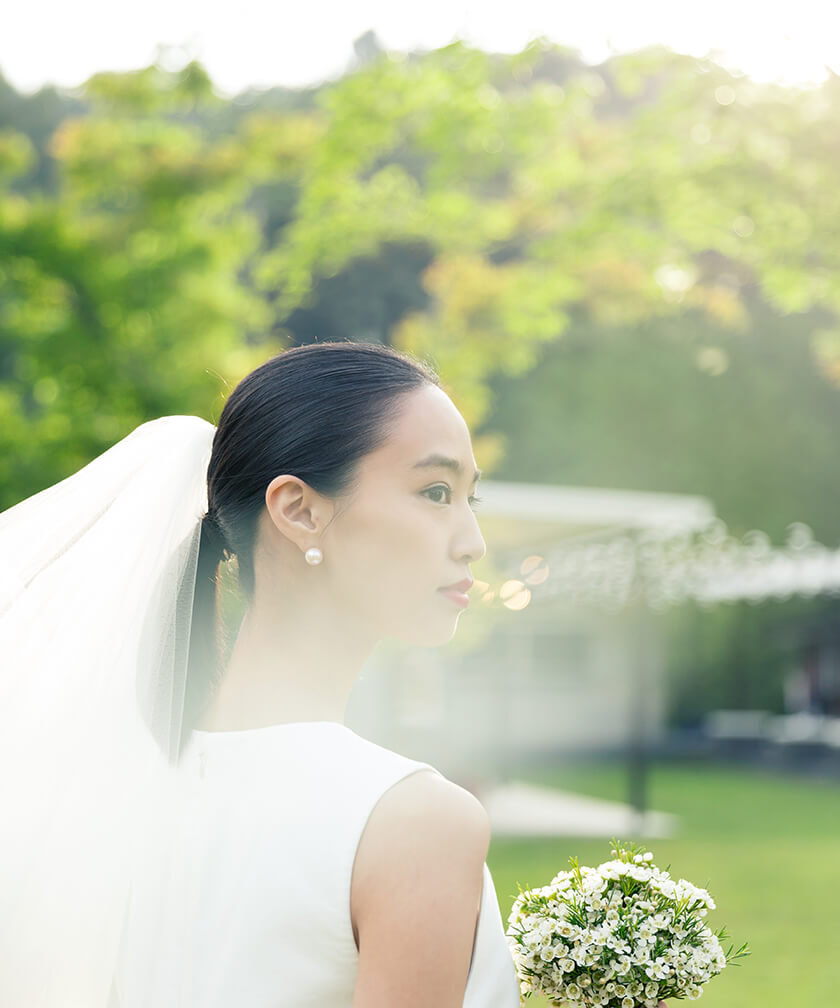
766,846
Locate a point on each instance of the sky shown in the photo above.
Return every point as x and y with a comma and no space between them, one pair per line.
260,43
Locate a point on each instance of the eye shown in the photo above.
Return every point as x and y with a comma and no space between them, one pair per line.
474,501
440,494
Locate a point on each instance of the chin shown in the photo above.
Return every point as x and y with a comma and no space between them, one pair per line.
430,635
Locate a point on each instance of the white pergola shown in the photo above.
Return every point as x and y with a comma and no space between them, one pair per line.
608,547
544,512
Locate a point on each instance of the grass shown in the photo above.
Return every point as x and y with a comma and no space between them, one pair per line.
766,846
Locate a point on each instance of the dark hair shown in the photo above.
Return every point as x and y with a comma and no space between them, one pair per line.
313,412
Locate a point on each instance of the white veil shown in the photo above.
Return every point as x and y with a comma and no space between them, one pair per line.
97,576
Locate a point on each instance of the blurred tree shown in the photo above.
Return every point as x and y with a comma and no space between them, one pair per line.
457,204
366,299
675,405
125,296
655,185
36,117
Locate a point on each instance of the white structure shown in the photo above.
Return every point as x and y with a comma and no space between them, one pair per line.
568,510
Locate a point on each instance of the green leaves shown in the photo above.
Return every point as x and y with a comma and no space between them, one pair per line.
17,154
186,229
548,186
125,295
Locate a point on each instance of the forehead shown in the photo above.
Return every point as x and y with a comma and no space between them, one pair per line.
424,423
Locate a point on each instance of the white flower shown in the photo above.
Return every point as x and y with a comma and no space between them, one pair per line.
580,954
639,873
624,965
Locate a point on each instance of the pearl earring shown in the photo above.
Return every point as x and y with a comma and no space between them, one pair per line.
313,556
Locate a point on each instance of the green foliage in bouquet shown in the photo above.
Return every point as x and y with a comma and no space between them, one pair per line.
621,935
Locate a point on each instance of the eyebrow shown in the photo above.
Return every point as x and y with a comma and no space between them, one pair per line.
444,462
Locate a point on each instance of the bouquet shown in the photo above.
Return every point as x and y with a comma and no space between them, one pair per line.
621,935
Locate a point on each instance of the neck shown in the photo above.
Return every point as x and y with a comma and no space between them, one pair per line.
290,662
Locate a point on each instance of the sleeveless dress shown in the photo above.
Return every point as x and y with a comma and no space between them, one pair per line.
243,901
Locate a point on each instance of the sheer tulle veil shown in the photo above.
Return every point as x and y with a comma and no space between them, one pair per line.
96,588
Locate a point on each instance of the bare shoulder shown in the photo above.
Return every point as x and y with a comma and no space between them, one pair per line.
416,892
431,801
423,815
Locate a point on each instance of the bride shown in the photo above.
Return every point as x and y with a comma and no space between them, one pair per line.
191,827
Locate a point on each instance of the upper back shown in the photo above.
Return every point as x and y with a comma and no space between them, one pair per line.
245,895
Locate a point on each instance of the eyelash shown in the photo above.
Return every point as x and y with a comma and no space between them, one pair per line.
473,501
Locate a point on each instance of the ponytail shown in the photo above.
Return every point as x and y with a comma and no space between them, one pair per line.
203,664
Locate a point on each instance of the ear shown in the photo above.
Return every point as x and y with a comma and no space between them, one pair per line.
298,512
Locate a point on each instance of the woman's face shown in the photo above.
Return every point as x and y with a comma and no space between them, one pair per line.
407,531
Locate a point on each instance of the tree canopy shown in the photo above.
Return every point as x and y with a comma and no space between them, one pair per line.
491,213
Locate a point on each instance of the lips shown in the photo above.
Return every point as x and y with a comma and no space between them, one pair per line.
457,592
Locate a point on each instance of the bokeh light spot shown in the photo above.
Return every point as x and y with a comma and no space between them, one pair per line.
534,569
674,280
514,595
712,360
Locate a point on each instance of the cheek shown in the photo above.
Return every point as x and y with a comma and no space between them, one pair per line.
385,577
389,559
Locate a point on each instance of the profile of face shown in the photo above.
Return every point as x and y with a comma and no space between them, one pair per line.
406,532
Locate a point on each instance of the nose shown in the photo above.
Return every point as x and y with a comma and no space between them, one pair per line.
469,545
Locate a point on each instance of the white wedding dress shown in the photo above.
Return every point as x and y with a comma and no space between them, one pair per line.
243,901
